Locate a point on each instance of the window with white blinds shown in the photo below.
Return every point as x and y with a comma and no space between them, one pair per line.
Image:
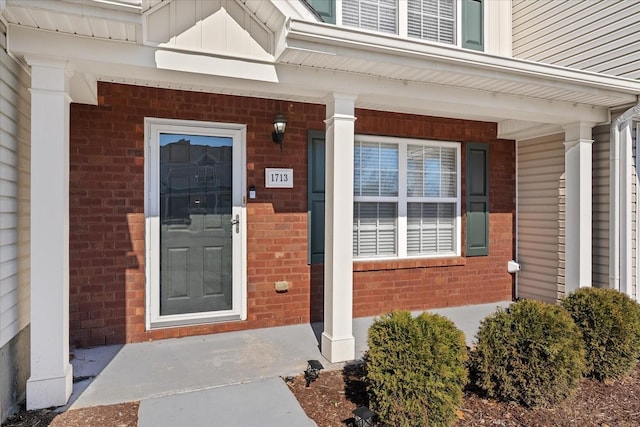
378,15
375,189
432,195
406,198
433,20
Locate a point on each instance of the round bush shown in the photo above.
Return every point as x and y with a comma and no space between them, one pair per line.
610,325
531,353
415,369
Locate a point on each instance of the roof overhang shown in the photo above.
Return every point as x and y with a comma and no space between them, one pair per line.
313,60
439,68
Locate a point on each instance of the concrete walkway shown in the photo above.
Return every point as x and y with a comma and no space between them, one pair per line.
228,379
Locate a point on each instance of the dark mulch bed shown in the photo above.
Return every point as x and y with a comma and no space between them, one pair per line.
330,400
119,415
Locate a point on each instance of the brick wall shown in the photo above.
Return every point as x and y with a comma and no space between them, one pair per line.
107,251
107,282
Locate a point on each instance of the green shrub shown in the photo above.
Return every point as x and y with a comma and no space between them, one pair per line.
610,325
415,369
531,353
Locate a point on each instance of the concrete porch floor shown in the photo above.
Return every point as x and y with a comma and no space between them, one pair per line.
228,379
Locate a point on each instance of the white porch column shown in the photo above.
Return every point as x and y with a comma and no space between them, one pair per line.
338,343
50,383
578,206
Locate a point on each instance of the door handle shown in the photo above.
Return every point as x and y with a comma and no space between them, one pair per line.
236,221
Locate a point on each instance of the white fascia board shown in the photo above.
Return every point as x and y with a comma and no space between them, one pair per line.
328,38
113,10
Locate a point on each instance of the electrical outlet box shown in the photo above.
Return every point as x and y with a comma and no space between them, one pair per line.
282,286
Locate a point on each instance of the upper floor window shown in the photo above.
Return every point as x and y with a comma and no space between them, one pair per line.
453,22
432,20
378,15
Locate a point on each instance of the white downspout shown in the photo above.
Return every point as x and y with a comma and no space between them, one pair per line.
615,213
516,284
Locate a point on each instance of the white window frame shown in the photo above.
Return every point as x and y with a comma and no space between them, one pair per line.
402,199
153,128
402,23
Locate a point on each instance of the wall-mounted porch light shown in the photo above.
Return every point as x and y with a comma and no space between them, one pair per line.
279,126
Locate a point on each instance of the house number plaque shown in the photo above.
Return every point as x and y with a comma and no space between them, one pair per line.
278,178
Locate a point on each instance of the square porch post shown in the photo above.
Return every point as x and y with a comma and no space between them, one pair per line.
578,207
50,383
338,343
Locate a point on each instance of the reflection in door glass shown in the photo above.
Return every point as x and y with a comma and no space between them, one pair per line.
195,223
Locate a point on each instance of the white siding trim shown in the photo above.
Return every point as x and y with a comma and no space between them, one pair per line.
626,236
635,214
621,216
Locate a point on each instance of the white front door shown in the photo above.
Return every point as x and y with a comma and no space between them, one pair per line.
195,222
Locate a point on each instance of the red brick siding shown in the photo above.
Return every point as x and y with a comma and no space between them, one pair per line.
107,236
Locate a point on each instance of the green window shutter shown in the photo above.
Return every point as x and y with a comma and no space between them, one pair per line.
477,196
315,201
472,25
325,8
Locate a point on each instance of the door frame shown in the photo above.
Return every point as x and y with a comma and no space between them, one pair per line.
238,132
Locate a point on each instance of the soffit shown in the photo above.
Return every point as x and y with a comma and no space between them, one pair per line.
112,20
340,49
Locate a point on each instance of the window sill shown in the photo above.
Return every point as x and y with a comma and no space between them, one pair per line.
402,264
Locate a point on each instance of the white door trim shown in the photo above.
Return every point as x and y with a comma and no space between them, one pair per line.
153,128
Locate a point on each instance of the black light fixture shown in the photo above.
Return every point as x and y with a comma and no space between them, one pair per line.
363,416
313,371
279,126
